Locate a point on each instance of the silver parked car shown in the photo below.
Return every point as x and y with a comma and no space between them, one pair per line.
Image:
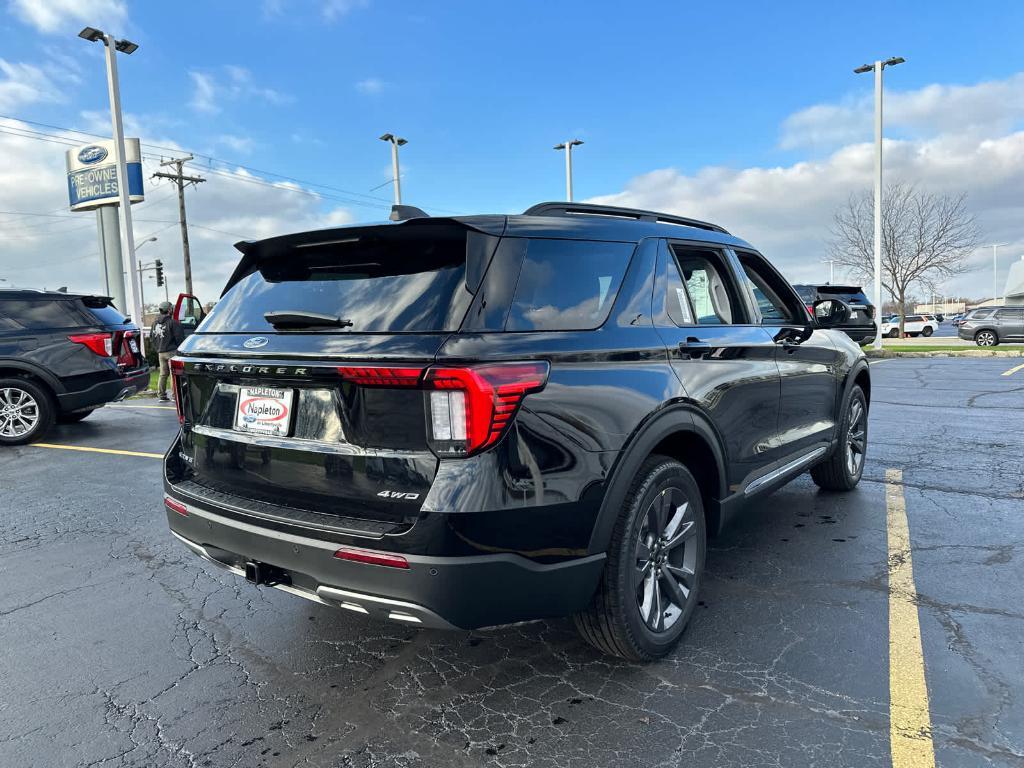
988,326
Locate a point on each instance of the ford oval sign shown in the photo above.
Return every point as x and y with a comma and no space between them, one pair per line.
256,342
92,154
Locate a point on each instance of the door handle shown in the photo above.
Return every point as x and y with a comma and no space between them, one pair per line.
694,349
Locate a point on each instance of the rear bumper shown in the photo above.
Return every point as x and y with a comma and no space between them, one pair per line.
110,391
859,333
441,592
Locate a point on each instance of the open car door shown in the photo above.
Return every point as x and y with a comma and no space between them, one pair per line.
188,311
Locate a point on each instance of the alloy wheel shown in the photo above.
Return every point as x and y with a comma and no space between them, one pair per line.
665,560
856,438
985,339
19,412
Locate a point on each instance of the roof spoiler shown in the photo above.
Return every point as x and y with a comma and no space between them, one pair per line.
405,212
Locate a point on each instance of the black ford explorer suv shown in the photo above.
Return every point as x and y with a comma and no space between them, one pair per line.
463,422
62,356
861,325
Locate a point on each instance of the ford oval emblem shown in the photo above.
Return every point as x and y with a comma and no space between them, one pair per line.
256,342
92,154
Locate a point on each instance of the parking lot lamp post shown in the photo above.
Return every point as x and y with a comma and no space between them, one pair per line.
567,146
877,68
995,272
395,144
112,46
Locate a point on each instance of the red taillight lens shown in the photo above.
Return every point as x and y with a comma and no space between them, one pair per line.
101,344
177,366
372,558
470,407
175,506
379,376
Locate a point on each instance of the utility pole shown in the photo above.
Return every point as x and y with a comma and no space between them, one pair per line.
179,178
567,146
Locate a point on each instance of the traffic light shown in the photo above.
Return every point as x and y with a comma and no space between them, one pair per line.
159,272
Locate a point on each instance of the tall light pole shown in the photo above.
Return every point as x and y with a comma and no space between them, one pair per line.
112,46
567,146
995,272
395,142
877,68
831,270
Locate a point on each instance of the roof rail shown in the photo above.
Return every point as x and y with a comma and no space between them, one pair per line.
590,209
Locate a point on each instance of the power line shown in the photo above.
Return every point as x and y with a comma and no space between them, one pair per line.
211,159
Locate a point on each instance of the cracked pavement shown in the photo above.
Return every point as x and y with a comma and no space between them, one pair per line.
121,648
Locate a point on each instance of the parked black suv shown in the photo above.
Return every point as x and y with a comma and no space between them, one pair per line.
861,325
463,422
62,356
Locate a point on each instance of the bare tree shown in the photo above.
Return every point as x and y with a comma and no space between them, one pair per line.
926,239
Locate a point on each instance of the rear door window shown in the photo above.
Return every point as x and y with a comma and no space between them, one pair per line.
567,284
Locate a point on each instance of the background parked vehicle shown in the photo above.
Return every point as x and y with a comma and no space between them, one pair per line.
61,357
988,326
861,325
913,325
462,422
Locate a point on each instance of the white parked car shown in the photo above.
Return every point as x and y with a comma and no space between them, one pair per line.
914,325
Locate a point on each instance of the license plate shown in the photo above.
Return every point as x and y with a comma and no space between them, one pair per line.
133,346
264,411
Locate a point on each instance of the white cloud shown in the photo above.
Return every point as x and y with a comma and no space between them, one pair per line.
53,16
335,9
984,109
242,145
59,248
211,92
786,211
22,83
371,85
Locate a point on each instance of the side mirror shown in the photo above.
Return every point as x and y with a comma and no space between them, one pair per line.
830,313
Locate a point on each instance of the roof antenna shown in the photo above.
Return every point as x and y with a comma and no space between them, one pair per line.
405,212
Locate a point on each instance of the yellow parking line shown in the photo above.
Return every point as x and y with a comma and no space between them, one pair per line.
161,407
910,727
1014,370
98,450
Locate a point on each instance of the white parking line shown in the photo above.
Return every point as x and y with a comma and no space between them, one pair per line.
157,407
1014,370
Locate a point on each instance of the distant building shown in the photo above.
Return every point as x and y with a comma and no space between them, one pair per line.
1014,290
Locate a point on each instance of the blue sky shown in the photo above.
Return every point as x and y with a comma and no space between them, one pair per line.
482,91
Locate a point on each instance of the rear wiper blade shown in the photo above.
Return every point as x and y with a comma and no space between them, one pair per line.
301,319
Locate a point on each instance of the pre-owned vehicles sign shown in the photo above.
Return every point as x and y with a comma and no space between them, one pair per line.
92,174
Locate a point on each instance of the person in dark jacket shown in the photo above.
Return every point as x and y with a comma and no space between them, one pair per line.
165,336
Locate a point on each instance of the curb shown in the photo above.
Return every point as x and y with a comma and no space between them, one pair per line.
948,353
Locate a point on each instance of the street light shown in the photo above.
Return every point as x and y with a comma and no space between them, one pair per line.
395,142
877,68
831,269
111,46
567,146
995,272
143,242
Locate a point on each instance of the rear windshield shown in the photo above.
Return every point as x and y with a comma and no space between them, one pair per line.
378,283
806,293
105,314
847,293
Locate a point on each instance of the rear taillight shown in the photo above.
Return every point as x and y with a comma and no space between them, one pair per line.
372,558
101,344
380,376
177,366
470,407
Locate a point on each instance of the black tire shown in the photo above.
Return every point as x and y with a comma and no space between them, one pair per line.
663,493
894,333
927,331
27,411
913,335
986,338
73,418
840,472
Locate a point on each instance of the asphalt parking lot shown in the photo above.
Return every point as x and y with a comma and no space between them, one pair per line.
120,648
